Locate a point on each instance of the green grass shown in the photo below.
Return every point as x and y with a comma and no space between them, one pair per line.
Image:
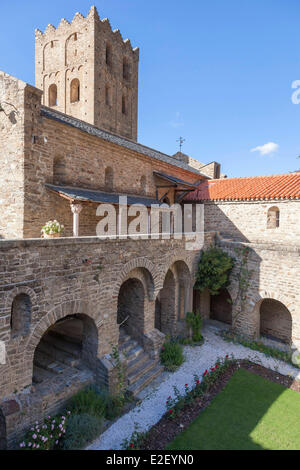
250,413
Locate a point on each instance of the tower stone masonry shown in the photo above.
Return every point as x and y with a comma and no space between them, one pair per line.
86,70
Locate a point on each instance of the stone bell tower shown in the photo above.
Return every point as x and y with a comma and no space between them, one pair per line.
87,70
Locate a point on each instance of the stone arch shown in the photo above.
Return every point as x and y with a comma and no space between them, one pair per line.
131,307
165,305
70,342
148,268
260,297
58,313
275,321
20,290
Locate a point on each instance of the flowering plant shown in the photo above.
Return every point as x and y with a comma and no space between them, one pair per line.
52,227
177,403
46,436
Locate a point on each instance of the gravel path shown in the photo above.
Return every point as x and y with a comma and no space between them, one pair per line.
153,407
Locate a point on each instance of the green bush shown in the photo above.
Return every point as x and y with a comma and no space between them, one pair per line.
194,321
81,430
172,355
89,401
114,406
214,270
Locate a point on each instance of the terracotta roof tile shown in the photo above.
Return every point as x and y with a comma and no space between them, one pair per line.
252,188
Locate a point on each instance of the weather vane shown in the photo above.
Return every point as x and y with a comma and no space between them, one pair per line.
181,142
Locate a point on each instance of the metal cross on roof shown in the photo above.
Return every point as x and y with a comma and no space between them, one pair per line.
181,141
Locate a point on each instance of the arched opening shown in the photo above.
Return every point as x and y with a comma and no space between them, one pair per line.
108,55
3,439
126,69
75,91
67,350
20,315
131,301
275,321
52,95
109,179
165,314
273,220
221,307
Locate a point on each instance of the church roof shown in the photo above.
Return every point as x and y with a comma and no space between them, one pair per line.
248,189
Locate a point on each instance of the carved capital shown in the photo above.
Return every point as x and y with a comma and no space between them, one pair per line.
76,208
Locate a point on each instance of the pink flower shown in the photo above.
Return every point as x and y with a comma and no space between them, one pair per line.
34,436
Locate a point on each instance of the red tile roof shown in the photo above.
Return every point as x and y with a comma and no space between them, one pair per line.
245,189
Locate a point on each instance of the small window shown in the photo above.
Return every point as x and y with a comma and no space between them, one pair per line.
124,105
108,55
75,37
52,95
109,179
273,220
20,315
126,70
52,44
107,96
75,91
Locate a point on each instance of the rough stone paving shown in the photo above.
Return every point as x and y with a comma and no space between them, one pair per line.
198,359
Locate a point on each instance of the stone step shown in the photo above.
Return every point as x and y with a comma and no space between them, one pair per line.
39,375
58,343
46,362
141,371
145,380
58,355
128,345
134,353
134,363
123,338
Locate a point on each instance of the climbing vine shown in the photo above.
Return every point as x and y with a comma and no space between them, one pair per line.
121,374
214,271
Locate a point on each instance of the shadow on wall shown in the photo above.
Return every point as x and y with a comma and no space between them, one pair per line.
255,317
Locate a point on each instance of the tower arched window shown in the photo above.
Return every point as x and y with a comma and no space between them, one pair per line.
273,220
52,95
126,69
109,179
75,91
108,55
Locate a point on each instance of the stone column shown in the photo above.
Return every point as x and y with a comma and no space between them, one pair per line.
76,209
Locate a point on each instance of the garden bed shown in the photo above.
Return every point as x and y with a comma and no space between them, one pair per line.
166,430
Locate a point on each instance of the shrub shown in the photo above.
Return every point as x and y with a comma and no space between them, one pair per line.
89,401
214,270
81,430
172,355
194,321
114,406
46,436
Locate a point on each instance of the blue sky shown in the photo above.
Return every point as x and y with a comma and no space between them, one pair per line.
217,72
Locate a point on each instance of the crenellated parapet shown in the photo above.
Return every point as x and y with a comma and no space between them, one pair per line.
87,70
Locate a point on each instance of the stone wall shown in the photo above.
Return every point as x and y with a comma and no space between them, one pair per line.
247,221
62,278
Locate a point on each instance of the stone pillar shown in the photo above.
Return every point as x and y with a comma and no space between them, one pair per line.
76,209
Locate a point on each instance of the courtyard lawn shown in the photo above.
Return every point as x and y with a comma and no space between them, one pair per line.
250,413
